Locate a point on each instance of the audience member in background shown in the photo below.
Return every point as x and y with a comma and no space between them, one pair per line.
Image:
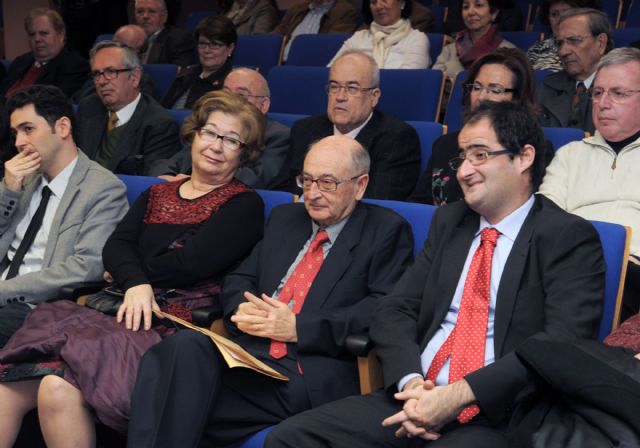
58,208
544,54
583,36
262,172
390,40
509,17
479,37
504,75
49,61
316,17
251,16
216,39
354,90
170,252
313,280
133,37
497,268
421,18
120,128
166,44
599,177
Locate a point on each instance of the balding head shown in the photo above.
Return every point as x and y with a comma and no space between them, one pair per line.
132,36
334,162
251,85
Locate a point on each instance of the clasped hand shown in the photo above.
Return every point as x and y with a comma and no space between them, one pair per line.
139,303
266,318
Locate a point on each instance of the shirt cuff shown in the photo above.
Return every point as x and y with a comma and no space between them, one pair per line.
405,379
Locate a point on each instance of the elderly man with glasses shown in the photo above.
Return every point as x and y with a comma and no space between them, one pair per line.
599,177
583,36
314,279
353,90
120,128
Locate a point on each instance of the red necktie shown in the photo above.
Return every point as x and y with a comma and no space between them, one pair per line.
466,343
298,285
580,91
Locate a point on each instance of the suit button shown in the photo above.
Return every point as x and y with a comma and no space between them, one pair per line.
6,213
22,298
12,202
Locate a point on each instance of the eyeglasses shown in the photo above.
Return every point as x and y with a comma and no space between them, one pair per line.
211,136
616,94
491,89
475,157
352,90
108,73
324,183
572,41
204,45
150,11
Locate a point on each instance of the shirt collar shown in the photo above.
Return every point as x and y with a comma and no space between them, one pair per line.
59,183
354,132
587,82
510,225
322,8
125,114
333,231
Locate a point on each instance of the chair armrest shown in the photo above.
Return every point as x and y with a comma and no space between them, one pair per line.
204,316
74,290
359,344
369,370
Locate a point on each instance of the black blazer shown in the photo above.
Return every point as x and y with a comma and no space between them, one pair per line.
68,70
151,134
393,146
553,283
366,260
173,46
190,78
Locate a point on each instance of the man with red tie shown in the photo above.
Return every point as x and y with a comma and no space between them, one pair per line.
499,267
313,280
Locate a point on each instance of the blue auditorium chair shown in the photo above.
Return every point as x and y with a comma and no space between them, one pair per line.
453,116
315,50
137,184
625,36
163,75
272,198
522,39
561,136
195,17
436,42
411,94
298,90
428,132
286,119
260,51
179,115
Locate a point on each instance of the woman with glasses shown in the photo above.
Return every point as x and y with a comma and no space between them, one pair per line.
479,37
504,75
216,39
169,252
389,38
543,55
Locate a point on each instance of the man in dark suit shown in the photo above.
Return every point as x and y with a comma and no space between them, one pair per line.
447,332
166,44
120,128
49,61
393,145
184,389
583,37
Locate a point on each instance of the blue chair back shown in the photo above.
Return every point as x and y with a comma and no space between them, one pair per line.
428,132
615,241
254,441
417,215
540,75
179,115
633,15
273,198
7,63
453,116
258,50
411,94
163,75
561,136
623,37
521,39
285,119
315,50
195,17
137,184
101,37
298,90
436,42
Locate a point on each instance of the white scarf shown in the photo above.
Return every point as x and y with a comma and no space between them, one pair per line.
384,37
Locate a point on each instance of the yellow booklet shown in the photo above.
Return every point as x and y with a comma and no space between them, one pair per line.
233,354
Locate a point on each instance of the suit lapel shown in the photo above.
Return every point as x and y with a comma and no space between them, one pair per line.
95,128
127,139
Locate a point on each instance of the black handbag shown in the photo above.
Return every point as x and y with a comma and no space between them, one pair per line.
107,301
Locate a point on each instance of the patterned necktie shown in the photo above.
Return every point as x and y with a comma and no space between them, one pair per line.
466,343
30,234
297,286
113,120
581,90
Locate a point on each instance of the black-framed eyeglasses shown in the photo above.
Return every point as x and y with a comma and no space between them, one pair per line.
215,45
108,73
210,136
475,157
491,89
616,94
333,88
324,183
572,41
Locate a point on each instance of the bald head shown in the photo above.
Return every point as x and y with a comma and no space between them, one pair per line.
251,85
132,36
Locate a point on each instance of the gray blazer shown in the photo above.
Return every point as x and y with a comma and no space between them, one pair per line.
93,203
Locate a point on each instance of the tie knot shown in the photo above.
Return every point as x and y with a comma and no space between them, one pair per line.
489,234
46,192
580,87
113,120
320,238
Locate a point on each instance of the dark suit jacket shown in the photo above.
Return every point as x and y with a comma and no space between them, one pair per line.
368,257
393,146
173,46
151,134
190,79
68,71
341,18
552,283
555,98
